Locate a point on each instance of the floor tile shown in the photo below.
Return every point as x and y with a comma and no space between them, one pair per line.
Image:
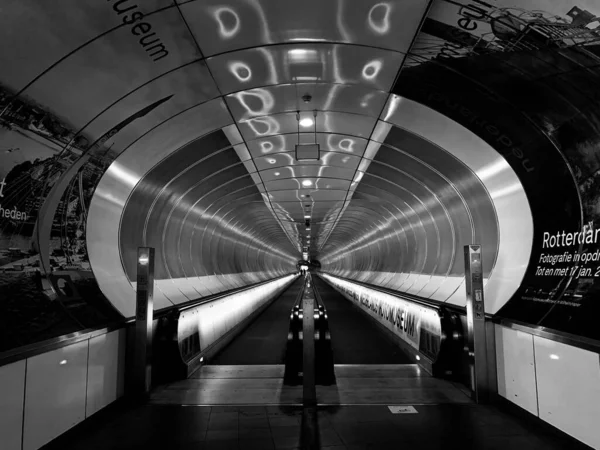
253,422
351,427
349,433
284,410
221,435
510,442
254,433
329,438
286,431
222,445
221,416
286,443
224,409
286,421
252,411
257,444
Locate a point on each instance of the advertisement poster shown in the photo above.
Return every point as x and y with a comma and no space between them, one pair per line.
460,28
523,76
418,326
36,151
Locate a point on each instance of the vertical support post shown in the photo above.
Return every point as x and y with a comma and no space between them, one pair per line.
308,346
142,366
476,324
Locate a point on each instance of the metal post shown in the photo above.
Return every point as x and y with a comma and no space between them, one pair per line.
476,324
308,346
142,366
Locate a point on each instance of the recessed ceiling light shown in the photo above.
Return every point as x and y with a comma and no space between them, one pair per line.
271,161
307,216
306,122
306,183
277,174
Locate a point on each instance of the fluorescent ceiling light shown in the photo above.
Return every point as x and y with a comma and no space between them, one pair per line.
307,216
306,122
306,183
298,52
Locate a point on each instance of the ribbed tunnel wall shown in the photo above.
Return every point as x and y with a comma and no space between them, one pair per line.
439,125
415,208
201,211
433,188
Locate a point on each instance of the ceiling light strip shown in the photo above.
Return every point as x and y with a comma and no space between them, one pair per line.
414,39
234,136
378,135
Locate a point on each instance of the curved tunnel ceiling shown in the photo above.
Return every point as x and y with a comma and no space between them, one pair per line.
205,98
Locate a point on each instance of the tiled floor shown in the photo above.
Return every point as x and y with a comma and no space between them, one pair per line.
203,412
433,427
355,384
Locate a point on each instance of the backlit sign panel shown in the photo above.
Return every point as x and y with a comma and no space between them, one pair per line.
418,326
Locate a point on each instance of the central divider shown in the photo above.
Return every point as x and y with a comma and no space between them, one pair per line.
316,340
309,438
309,397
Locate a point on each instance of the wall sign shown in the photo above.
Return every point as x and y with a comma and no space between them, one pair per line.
418,326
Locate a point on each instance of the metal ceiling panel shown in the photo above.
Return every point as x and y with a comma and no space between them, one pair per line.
329,142
223,27
297,204
316,183
250,167
281,160
270,100
328,195
242,152
327,122
310,62
232,133
305,171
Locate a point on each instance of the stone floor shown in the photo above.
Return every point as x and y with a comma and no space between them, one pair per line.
381,384
433,427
